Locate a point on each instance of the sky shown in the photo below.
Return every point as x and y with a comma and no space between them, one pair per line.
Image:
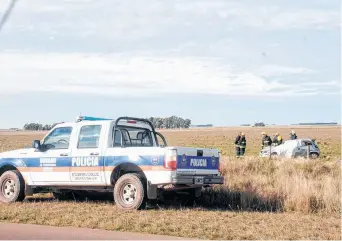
221,62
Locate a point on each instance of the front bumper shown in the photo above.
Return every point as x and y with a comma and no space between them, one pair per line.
198,180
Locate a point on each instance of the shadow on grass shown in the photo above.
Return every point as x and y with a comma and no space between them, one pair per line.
219,199
223,199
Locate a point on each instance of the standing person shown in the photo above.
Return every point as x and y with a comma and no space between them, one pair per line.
293,135
242,144
266,140
237,146
278,139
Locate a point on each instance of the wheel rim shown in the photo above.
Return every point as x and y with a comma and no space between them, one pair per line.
314,156
8,188
128,193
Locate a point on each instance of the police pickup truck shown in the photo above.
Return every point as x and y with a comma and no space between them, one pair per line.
122,156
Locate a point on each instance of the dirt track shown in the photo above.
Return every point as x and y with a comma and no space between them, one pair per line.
40,232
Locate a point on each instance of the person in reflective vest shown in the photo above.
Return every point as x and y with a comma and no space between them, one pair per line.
242,144
266,140
278,139
237,146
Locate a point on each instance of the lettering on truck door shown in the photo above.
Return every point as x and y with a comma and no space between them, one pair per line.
51,164
87,161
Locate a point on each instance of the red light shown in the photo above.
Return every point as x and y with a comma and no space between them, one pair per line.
131,122
172,165
170,161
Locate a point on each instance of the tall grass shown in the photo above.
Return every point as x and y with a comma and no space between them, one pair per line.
306,186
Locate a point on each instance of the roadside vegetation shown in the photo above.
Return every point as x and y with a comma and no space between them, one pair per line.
261,198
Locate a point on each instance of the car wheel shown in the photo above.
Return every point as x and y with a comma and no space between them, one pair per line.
274,155
12,187
314,155
129,192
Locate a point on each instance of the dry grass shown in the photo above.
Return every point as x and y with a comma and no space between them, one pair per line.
278,186
261,199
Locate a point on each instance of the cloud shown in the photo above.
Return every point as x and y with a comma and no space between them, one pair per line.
128,75
134,20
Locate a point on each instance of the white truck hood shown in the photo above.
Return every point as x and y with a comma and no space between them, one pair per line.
16,153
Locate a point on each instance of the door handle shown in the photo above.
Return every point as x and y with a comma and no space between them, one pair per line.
64,154
94,154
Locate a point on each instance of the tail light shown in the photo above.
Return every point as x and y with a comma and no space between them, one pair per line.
170,160
131,122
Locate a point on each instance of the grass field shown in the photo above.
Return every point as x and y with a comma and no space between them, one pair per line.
261,199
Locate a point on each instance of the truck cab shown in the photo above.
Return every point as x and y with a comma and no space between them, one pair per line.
125,156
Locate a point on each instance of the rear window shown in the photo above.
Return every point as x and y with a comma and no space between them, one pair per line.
89,136
133,136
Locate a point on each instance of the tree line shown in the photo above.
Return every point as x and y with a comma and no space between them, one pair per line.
173,122
38,127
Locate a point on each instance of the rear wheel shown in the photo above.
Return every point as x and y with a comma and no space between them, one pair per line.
314,155
274,155
129,192
12,187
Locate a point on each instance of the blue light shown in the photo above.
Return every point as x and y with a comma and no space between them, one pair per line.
90,118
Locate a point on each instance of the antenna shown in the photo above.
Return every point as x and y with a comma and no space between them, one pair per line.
7,13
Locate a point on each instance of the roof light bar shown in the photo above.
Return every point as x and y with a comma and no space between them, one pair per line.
90,118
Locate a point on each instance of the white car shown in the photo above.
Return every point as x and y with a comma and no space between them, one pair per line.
292,149
121,156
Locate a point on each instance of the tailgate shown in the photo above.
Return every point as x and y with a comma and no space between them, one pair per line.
197,161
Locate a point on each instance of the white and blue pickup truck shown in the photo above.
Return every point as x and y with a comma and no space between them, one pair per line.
121,156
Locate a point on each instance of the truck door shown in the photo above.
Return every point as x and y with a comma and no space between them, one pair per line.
87,161
52,164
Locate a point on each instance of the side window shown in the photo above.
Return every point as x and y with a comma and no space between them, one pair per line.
89,136
306,143
59,138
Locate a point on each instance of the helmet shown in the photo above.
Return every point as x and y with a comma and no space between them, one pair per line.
242,133
293,132
263,133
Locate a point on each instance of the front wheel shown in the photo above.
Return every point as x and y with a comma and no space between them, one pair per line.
129,192
12,187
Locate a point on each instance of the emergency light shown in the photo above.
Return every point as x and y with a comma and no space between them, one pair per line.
90,118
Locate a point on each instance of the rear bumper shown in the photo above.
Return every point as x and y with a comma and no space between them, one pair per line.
198,180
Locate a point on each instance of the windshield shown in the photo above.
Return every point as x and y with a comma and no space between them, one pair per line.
133,136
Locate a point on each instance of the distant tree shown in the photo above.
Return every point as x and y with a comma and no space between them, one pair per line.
259,124
172,122
38,127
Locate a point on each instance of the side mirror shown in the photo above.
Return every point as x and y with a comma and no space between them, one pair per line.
36,144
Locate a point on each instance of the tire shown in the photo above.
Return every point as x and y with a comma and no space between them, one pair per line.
12,187
130,183
274,155
313,155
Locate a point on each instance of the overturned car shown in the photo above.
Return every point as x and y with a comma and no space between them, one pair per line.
293,149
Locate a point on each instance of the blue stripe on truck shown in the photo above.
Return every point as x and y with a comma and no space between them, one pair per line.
190,162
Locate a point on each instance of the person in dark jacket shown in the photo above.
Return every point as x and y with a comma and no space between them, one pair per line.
266,140
242,144
293,135
237,146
